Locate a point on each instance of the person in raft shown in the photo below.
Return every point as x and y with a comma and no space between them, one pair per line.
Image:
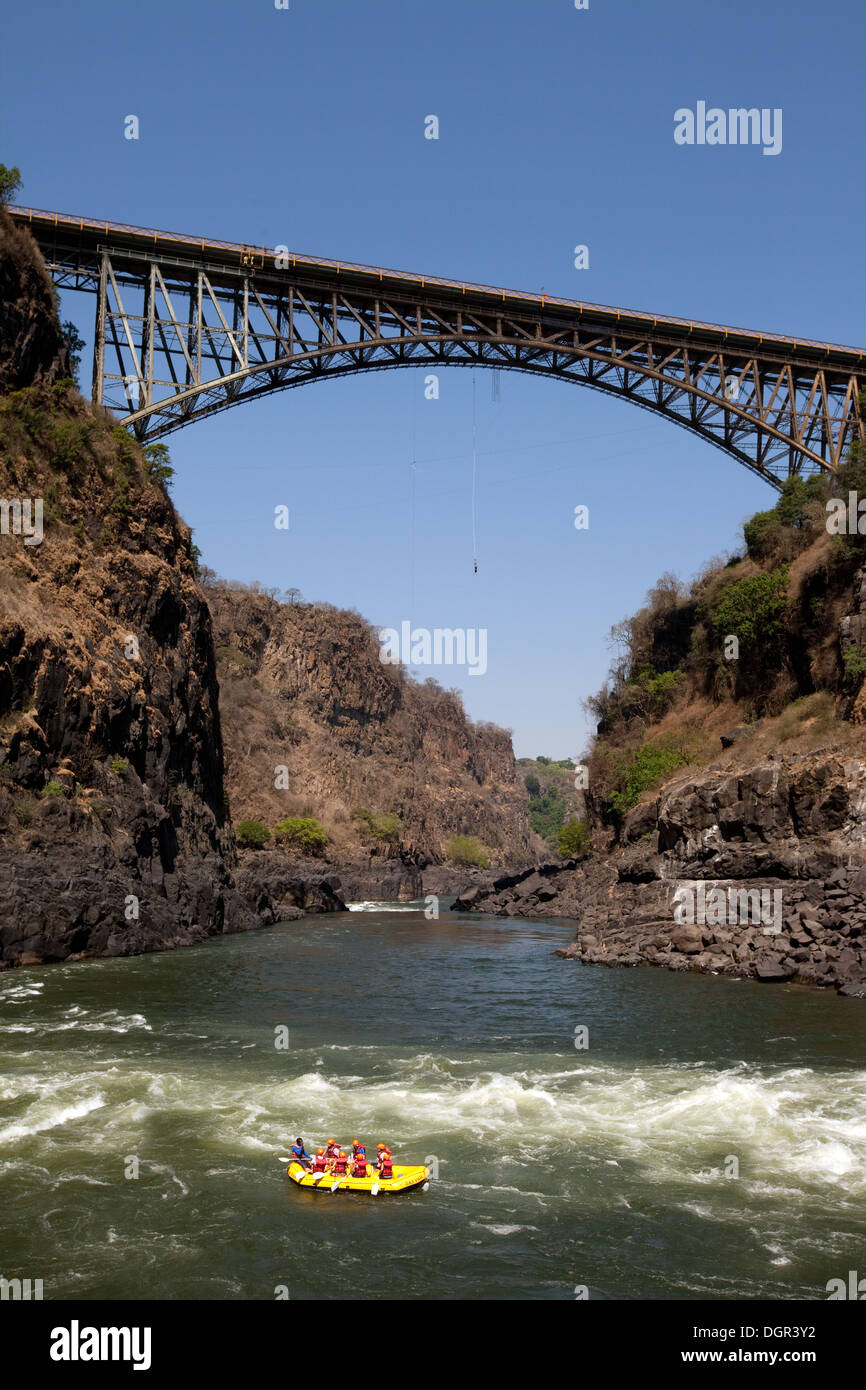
359,1159
383,1161
341,1164
300,1155
320,1163
331,1149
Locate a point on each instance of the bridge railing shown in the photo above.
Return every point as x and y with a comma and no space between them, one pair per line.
148,234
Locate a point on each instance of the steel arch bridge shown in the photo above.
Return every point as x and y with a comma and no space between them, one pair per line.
186,327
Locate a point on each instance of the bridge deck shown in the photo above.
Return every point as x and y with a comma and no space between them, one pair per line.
91,234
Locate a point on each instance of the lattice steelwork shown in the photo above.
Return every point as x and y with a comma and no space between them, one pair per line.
186,327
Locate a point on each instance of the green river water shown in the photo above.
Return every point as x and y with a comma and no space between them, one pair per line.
454,1040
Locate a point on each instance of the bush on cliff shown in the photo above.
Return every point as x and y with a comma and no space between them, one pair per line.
301,832
790,525
467,849
754,610
386,826
638,772
251,834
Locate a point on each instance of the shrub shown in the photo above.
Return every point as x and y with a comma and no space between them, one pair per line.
233,656
754,609
119,766
648,766
467,849
648,693
302,832
574,839
52,789
386,825
797,509
25,808
251,834
854,660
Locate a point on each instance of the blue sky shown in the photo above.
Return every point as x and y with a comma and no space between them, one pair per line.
305,127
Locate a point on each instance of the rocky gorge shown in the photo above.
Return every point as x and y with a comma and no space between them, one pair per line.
142,713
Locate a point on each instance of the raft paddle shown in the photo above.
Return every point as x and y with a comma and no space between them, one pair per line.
374,1190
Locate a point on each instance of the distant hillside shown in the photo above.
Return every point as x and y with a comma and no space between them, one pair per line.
391,768
554,800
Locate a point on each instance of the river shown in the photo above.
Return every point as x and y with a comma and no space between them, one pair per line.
708,1143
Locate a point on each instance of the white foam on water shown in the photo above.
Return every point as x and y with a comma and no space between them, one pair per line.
500,1230
53,1119
799,1134
19,994
417,905
73,1022
80,1177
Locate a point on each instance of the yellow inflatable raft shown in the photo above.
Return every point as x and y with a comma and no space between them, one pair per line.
404,1179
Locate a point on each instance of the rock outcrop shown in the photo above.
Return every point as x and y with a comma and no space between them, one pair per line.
32,347
759,872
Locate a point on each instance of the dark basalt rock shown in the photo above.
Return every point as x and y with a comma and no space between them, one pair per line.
789,826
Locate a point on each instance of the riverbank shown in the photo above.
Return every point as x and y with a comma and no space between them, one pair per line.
758,873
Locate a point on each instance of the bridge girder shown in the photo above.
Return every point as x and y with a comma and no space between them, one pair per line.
184,332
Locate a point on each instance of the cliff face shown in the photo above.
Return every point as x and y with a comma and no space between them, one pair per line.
114,836
302,688
32,349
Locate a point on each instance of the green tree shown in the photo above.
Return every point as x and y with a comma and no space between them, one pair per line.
157,460
574,839
10,183
74,345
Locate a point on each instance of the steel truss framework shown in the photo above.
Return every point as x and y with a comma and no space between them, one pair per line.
187,327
